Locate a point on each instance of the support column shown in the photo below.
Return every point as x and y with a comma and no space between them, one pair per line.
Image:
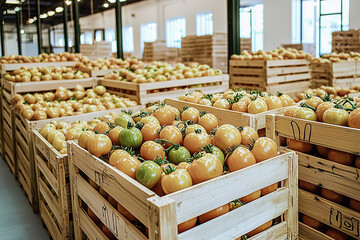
38,26
233,20
2,32
118,26
76,26
49,37
18,32
65,20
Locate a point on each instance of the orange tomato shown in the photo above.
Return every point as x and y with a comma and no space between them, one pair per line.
183,165
290,111
309,187
269,189
322,108
354,118
205,168
194,142
273,102
150,132
158,188
251,197
114,135
99,145
191,114
214,213
332,196
354,205
335,234
172,134
340,157
128,165
125,213
257,106
312,222
84,138
227,136
222,103
112,201
240,106
165,115
150,150
116,155
182,227
209,122
101,127
299,145
260,229
357,162
93,216
314,101
264,148
175,181
248,136
240,158
323,151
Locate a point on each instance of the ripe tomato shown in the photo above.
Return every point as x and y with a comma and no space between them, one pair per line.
312,222
172,134
299,145
191,114
183,165
314,101
158,188
84,138
130,137
260,229
125,213
215,151
335,234
332,196
273,102
214,213
99,145
193,127
286,100
248,136
175,180
128,165
182,227
195,141
116,155
204,168
309,187
222,103
205,102
114,134
354,118
209,122
150,132
240,158
150,150
165,115
178,154
251,197
336,116
290,111
240,106
354,205
123,119
101,127
305,113
323,151
150,119
148,174
227,136
264,148
357,162
257,106
340,157
269,189
322,108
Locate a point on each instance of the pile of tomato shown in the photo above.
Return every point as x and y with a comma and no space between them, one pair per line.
241,101
167,150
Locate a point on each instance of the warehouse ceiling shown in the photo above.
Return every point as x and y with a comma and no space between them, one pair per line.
28,9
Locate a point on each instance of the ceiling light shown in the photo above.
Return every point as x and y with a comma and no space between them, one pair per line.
112,1
68,2
34,19
105,5
12,2
42,16
59,9
122,0
50,13
30,21
22,31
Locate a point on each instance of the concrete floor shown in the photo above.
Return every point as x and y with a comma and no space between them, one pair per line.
17,220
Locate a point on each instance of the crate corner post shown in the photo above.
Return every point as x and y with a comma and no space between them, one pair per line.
270,128
292,215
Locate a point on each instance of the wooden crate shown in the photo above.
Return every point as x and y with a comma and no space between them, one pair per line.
346,41
162,214
271,76
52,177
97,73
97,50
330,175
153,92
224,116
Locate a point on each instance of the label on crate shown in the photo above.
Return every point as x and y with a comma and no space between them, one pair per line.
342,221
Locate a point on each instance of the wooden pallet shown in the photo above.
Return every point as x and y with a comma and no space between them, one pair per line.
153,92
224,116
162,214
330,175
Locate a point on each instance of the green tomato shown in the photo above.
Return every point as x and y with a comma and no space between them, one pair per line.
130,137
148,174
123,119
179,155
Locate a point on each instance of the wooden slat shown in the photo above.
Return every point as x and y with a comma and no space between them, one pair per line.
308,233
49,222
47,173
50,200
89,227
14,66
276,232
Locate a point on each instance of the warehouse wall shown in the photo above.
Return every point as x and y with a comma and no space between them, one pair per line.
354,14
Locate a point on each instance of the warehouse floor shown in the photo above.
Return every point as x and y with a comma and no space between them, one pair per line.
17,220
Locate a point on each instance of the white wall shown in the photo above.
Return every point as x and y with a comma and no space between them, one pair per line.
354,14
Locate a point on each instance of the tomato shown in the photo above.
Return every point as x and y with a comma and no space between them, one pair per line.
240,106
205,102
175,180
93,184
176,112
354,205
101,127
47,129
248,136
114,134
99,145
257,106
227,136
93,216
150,132
209,121
260,229
273,102
182,227
269,189
314,101
336,234
309,187
178,154
183,165
193,127
357,162
240,158
251,197
299,145
340,157
191,114
323,151
332,196
148,173
130,137
215,151
195,141
103,193
158,188
214,213
322,108
165,115
116,155
150,150
336,116
222,103
172,134
128,165
150,119
40,115
305,113
290,111
123,119
125,213
286,100
84,138
55,134
312,222
204,168
108,233
354,118
264,148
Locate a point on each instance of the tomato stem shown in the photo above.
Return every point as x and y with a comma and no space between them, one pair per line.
169,169
305,105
